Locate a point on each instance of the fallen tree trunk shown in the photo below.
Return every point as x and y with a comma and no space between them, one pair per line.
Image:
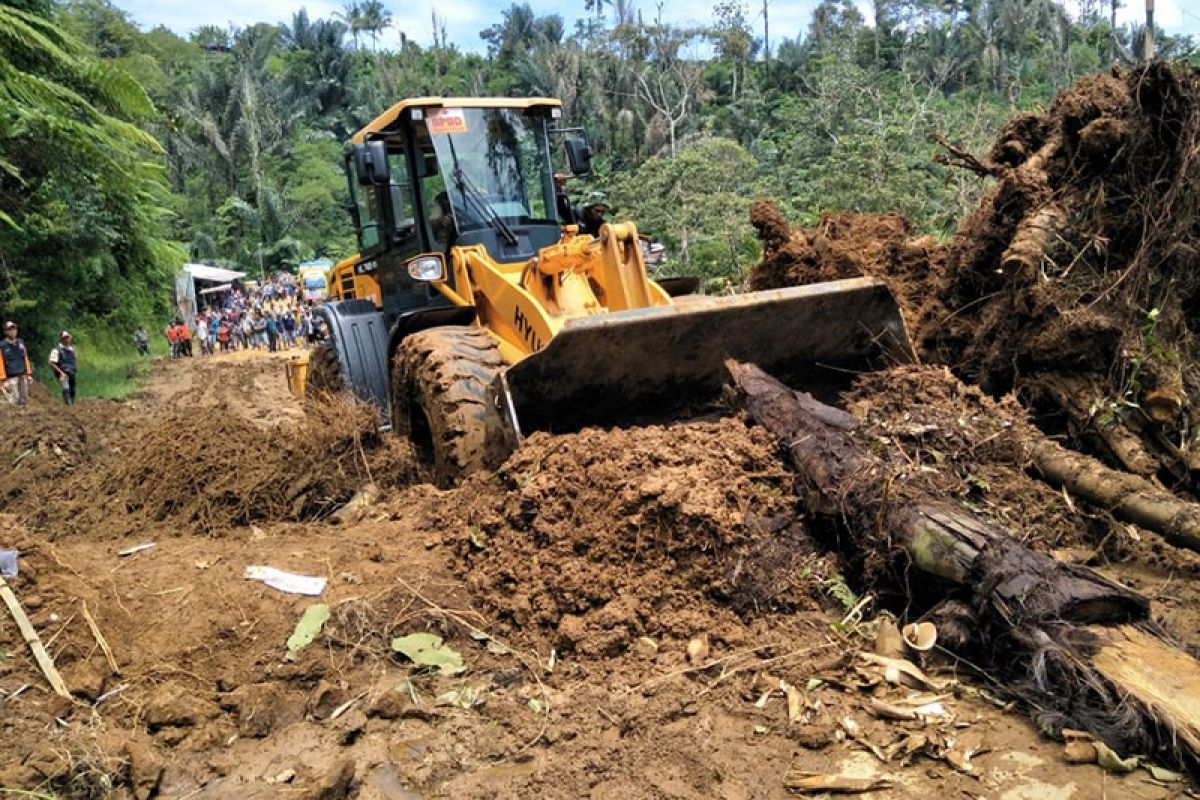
1128,497
1037,619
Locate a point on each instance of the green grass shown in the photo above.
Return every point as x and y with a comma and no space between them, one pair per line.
109,364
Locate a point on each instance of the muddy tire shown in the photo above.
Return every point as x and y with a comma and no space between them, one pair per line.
439,392
324,374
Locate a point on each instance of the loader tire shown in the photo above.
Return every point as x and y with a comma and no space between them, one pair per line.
324,378
439,397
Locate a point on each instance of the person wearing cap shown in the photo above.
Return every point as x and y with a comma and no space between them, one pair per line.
15,372
589,216
62,361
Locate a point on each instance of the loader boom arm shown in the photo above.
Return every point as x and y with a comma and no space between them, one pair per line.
525,305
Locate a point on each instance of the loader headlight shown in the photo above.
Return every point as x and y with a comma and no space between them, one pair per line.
427,268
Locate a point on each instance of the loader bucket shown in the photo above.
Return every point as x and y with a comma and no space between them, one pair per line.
634,365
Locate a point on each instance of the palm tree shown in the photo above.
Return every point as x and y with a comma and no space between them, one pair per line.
375,18
351,14
596,6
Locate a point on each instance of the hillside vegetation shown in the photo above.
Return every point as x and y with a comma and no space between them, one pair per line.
124,152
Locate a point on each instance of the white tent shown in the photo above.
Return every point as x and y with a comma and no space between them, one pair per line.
209,274
211,278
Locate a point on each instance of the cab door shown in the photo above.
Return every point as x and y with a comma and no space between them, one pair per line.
387,222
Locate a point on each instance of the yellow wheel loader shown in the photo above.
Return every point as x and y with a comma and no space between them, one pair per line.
473,314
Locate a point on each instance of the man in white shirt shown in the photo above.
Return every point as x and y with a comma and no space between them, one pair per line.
64,363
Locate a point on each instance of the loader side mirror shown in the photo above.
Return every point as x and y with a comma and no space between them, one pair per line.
579,155
370,163
427,165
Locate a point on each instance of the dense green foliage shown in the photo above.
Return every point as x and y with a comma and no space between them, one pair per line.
83,239
123,152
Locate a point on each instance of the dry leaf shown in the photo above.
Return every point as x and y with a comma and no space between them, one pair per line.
697,650
795,702
1107,758
904,673
806,782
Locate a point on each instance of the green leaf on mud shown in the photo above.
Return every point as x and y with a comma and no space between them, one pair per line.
426,650
308,628
478,537
1164,775
1107,758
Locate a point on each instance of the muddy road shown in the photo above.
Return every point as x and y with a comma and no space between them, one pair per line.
636,612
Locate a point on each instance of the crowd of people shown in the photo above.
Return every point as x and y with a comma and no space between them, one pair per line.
272,316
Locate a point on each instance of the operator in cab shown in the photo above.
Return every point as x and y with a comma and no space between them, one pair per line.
441,219
589,216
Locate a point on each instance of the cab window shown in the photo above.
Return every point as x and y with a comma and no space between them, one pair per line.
366,211
400,196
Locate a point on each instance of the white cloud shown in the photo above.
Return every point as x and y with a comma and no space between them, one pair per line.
464,19
184,16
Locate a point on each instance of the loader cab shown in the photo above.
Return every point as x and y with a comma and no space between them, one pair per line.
432,174
489,169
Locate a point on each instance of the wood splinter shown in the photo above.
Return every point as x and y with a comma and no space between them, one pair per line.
99,637
45,662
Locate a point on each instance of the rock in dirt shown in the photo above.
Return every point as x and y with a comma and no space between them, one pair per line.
326,698
391,704
141,767
335,783
170,706
262,708
86,679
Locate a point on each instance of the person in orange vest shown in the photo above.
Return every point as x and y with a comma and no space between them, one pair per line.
15,372
172,340
185,338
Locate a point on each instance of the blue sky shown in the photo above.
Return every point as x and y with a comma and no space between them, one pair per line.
464,19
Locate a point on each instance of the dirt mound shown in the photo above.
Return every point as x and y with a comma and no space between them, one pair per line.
48,441
605,536
1075,282
214,471
846,245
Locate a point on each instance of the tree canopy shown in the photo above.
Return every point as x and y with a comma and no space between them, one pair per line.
123,151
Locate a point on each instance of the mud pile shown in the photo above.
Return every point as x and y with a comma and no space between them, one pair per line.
846,245
1075,284
184,472
602,537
